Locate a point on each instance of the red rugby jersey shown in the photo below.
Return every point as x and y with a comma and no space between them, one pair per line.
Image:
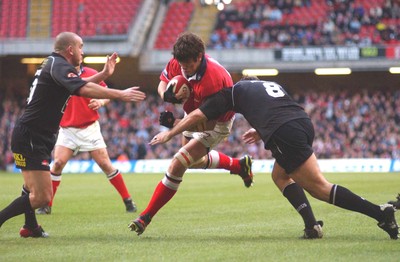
209,79
77,113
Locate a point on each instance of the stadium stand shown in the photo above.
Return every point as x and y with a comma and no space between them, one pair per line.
175,22
39,19
203,20
35,18
348,124
13,18
85,18
274,23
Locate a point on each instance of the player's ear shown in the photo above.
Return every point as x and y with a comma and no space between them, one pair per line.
70,50
199,57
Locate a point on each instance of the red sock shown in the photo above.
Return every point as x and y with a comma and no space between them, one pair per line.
228,163
162,194
55,181
118,182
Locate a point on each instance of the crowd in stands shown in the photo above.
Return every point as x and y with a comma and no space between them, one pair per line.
361,124
280,23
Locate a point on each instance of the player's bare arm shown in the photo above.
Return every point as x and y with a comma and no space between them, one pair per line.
251,136
162,86
201,126
107,71
188,122
167,119
92,90
110,64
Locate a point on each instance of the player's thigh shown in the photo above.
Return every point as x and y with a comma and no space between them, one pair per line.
211,138
62,154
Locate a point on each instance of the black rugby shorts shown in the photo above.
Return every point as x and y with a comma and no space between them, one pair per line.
291,143
31,150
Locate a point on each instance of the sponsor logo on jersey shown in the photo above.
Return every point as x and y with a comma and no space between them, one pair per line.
70,75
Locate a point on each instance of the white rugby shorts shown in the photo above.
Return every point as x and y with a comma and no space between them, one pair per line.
211,138
81,139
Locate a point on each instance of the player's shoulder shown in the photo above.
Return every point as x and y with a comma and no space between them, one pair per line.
173,63
89,70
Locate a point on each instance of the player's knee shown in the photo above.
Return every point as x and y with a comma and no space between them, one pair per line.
58,166
42,199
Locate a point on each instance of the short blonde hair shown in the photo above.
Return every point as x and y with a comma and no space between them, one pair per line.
63,40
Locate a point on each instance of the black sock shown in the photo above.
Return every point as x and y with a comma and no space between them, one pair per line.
344,198
30,216
296,196
19,206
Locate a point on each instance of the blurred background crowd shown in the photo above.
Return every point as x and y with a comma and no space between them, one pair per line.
348,124
278,23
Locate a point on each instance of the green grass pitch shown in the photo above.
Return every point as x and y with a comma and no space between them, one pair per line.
213,217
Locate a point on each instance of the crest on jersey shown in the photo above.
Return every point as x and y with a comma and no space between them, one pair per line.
70,75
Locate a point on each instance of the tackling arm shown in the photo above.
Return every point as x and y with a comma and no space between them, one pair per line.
188,122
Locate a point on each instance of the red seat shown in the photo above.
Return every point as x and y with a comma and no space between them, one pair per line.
114,17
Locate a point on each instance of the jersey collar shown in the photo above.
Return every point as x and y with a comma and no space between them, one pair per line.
200,72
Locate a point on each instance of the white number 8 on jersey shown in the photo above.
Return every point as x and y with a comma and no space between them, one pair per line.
273,89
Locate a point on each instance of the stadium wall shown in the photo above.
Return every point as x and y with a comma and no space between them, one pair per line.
376,165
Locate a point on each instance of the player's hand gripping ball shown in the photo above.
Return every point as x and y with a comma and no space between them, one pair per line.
178,90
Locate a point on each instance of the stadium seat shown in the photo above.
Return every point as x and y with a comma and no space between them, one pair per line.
87,19
175,22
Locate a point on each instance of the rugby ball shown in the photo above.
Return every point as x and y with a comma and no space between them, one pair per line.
179,84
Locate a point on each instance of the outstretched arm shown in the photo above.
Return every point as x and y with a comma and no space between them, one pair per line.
92,90
188,122
107,71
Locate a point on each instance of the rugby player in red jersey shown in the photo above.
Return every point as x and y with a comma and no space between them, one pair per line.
80,132
206,77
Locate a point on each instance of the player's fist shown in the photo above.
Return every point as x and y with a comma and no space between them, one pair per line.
167,119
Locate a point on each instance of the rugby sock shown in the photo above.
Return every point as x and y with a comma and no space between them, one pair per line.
344,198
296,196
55,181
19,206
117,181
219,160
30,217
164,191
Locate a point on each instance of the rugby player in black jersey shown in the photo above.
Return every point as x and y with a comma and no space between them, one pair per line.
34,134
286,130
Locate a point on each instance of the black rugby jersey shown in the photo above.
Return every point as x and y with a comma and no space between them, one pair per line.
54,82
265,105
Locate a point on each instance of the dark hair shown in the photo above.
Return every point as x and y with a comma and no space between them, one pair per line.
188,47
247,77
